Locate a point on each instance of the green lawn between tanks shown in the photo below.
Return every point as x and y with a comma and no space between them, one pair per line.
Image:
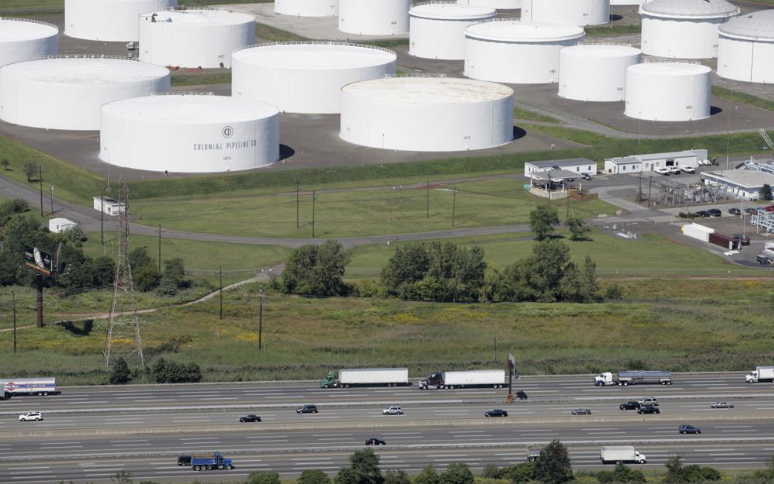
741,97
602,30
200,79
523,114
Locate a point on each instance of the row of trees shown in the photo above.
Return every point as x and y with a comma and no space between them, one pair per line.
162,371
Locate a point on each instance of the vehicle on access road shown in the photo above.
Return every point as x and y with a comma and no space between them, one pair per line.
393,410
496,413
689,429
734,211
307,409
722,405
646,409
715,212
250,418
703,213
630,405
31,417
581,411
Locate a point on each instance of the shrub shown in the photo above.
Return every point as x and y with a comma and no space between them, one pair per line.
263,477
314,476
553,466
164,371
120,373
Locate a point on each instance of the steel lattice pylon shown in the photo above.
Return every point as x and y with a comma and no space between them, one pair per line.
123,322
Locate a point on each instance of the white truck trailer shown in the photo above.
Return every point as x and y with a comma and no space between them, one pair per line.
349,377
623,454
633,378
28,386
760,374
464,379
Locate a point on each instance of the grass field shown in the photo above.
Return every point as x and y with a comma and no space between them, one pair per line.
601,30
527,115
268,33
200,79
744,98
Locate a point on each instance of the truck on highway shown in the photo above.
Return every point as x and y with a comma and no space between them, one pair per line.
211,462
28,386
464,379
621,454
633,378
390,377
759,374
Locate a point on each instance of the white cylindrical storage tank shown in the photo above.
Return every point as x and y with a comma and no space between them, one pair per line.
306,77
517,52
374,17
194,38
746,48
498,4
685,29
427,114
668,91
438,28
595,72
567,12
23,40
189,134
109,20
68,92
307,8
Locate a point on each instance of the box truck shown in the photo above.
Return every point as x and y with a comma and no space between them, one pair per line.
390,377
463,379
759,374
28,386
633,378
623,454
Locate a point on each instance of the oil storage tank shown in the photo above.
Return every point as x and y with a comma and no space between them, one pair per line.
517,52
595,72
668,91
568,12
746,48
194,38
684,29
189,133
498,4
307,8
438,28
306,77
23,40
374,17
68,92
427,114
109,20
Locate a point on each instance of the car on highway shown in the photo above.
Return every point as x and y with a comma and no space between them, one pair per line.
521,395
703,213
722,405
715,212
375,441
581,411
184,460
250,418
31,417
393,410
648,401
689,429
496,413
533,454
630,405
734,211
648,409
307,409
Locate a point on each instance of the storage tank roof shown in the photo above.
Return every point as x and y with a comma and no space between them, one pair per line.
451,11
13,30
754,26
314,55
76,70
201,17
670,68
601,50
690,8
428,90
190,109
518,31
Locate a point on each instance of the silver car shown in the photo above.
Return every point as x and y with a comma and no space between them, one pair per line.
722,405
393,410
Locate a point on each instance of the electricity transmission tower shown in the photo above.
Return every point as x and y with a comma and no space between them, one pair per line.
123,323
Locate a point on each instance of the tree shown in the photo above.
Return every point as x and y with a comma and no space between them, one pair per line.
173,279
457,473
578,227
122,477
120,373
408,265
347,475
5,164
524,472
428,476
263,477
365,463
146,278
139,258
164,371
396,477
314,476
589,282
542,221
621,474
316,271
553,466
31,170
765,192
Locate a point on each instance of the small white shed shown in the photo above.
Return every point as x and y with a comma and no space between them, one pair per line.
108,205
59,225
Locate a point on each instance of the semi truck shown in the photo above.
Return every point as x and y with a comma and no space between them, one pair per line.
211,462
759,374
390,377
464,379
622,454
633,378
28,386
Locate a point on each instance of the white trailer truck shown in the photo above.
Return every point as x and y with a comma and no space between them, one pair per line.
390,377
623,454
759,374
633,378
464,379
28,386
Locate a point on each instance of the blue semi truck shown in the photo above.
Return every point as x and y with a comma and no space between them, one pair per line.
211,462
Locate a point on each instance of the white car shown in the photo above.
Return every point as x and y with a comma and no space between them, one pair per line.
394,410
687,169
662,171
30,417
675,170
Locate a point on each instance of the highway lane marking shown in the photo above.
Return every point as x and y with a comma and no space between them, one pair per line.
728,454
313,458
220,398
78,403
58,443
733,426
25,469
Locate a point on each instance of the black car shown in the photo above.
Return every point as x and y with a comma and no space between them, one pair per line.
703,213
715,212
581,411
307,409
689,429
375,441
184,460
250,418
586,176
648,409
743,239
751,211
630,405
496,413
735,211
521,395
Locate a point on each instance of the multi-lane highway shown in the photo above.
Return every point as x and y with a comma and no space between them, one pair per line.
90,433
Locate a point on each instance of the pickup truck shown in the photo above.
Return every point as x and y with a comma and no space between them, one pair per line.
662,171
687,169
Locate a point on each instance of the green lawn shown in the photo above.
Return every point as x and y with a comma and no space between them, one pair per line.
602,30
528,115
268,33
200,79
744,98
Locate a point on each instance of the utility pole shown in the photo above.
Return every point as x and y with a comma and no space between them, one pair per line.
454,206
639,188
40,179
102,215
260,322
427,210
159,248
13,298
314,199
297,220
52,199
221,292
650,183
568,208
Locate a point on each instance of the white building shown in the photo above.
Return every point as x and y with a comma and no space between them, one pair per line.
573,165
59,225
110,206
649,162
744,184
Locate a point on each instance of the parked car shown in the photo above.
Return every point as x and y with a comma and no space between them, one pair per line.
496,413
715,212
533,454
743,239
307,409
630,405
722,405
394,410
250,418
675,170
751,211
735,211
184,460
763,260
581,411
586,176
687,169
770,208
689,429
375,441
31,417
703,213
648,409
662,171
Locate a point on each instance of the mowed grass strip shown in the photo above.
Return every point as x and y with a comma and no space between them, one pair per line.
742,97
